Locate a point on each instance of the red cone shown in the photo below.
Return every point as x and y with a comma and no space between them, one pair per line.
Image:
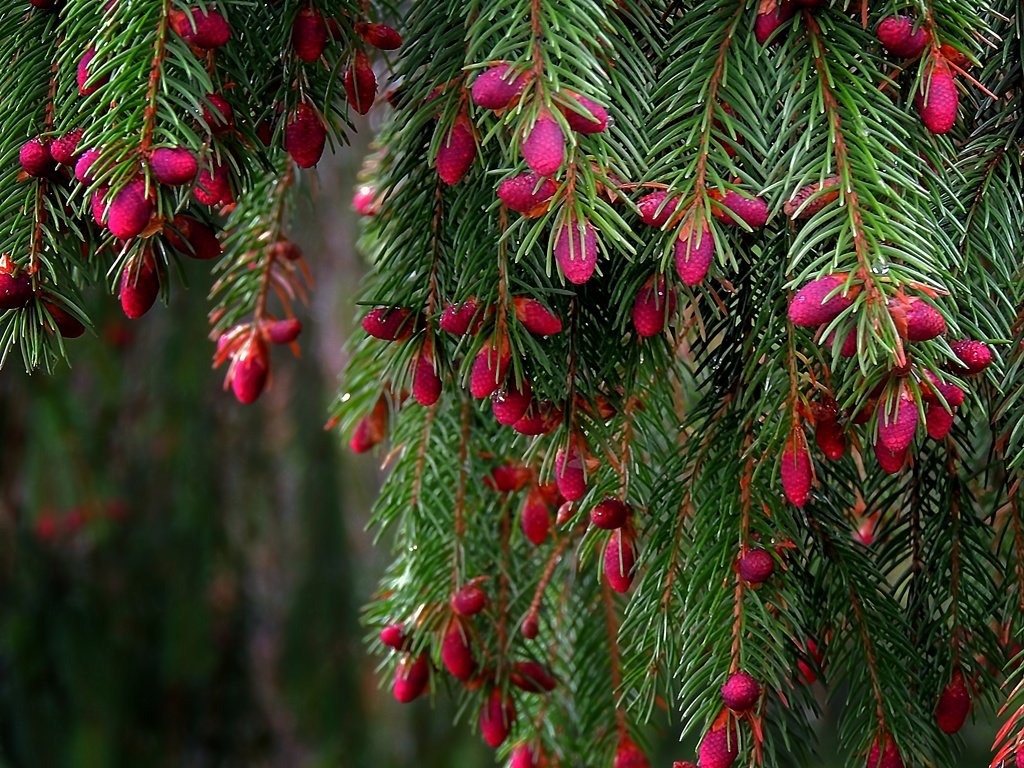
173,166
544,147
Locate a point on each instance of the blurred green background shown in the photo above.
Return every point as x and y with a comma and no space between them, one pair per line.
181,576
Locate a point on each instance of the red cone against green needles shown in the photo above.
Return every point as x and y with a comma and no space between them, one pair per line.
457,653
811,305
218,115
213,186
193,238
629,755
653,306
496,87
129,211
576,254
140,285
87,83
469,600
509,403
523,757
15,288
974,355
610,514
899,37
64,150
388,324
393,636
694,254
938,420
457,151
249,371
938,99
496,718
954,705
459,318
205,29
569,474
896,427
305,137
619,560
740,692
360,83
535,519
35,157
718,748
173,166
885,755
544,146
309,35
411,678
796,472
380,36
283,331
756,566
535,317
532,677
657,208
426,384
525,192
490,367
594,122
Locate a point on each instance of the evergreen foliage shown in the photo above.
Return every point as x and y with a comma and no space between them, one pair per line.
794,394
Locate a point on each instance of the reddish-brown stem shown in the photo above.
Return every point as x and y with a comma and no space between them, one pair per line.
155,71
506,533
270,255
842,158
869,654
537,34
677,539
1018,546
460,493
421,457
625,450
711,103
746,482
545,577
435,230
954,558
501,322
794,379
612,623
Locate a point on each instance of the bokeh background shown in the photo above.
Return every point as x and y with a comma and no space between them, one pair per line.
181,577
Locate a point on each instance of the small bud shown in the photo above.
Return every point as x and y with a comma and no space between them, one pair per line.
360,83
756,566
619,560
309,35
811,305
305,137
173,166
380,36
469,600
283,331
140,285
249,370
741,692
497,716
576,252
497,87
694,253
610,514
411,678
